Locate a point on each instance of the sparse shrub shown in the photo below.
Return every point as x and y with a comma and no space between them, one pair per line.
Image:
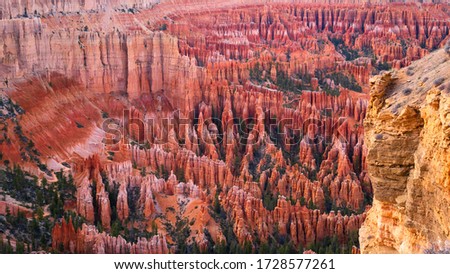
438,81
395,108
345,81
163,27
192,222
111,155
410,71
270,200
383,66
331,91
256,73
286,83
407,91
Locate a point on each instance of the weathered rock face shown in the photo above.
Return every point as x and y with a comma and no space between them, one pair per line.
23,8
111,62
407,137
13,209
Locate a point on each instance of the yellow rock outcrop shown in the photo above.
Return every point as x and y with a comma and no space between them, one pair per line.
408,137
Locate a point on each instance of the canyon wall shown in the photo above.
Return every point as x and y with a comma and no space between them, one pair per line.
113,53
407,137
10,9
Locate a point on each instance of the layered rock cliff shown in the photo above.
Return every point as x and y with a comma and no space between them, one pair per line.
10,9
407,137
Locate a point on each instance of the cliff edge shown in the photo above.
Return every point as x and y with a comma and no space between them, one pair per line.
408,137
